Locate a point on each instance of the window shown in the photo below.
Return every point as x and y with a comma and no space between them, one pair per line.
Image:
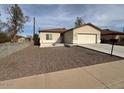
48,36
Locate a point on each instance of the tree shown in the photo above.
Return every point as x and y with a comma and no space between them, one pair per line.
16,21
4,37
79,21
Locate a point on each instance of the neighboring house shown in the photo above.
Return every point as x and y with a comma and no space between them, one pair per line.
85,34
107,35
21,39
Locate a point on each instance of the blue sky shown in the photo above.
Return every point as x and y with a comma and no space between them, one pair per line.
64,15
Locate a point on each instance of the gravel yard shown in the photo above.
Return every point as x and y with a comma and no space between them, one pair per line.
33,60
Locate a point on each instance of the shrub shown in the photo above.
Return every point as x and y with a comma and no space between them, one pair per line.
36,39
4,37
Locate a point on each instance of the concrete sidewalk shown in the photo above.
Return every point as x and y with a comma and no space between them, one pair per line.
106,48
107,75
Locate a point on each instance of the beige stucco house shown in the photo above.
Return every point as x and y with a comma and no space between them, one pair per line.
51,37
85,34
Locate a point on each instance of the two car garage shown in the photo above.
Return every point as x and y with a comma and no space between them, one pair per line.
87,39
85,34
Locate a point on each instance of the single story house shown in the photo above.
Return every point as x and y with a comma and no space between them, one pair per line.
20,39
85,34
50,37
107,35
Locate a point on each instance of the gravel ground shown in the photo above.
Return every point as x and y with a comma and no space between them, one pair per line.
33,60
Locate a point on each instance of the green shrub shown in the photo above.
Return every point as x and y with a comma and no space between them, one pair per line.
36,39
4,37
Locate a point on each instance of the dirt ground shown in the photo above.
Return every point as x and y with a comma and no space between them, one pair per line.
34,60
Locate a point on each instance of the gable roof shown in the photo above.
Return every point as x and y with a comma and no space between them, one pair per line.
55,30
89,24
92,25
103,31
111,32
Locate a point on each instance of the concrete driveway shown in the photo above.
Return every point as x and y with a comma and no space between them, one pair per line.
106,48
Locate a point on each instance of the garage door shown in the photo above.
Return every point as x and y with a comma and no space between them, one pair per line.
86,39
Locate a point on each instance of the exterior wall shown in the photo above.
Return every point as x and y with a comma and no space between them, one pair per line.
55,39
68,37
86,30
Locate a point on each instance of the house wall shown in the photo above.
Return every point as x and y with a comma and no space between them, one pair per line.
55,39
86,30
68,37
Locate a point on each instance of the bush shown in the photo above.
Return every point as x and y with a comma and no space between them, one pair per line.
4,37
36,39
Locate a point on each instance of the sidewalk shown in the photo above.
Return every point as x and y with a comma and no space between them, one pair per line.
107,75
106,48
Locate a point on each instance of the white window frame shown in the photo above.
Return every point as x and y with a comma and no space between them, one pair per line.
48,36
